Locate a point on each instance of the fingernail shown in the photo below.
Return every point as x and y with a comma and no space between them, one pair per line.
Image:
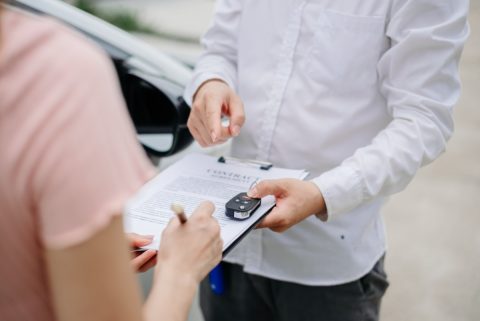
235,130
214,137
148,237
253,192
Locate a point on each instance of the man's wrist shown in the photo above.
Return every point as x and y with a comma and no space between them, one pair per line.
320,208
208,81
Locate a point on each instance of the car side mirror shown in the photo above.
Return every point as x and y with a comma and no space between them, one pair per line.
157,110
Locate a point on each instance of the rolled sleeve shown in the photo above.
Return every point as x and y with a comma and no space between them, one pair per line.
219,60
199,79
419,79
341,189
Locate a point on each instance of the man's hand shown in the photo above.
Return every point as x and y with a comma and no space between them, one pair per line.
141,261
213,99
296,200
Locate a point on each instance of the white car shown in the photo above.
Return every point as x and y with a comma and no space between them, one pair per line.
152,82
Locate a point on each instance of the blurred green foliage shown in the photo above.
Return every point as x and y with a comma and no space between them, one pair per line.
124,19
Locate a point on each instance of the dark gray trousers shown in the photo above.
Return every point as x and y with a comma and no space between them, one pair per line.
249,297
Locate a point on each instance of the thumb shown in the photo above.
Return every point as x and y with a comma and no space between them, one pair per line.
267,187
205,209
236,113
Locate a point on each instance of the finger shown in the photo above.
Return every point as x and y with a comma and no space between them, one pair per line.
195,125
193,130
267,187
205,209
271,220
280,229
172,224
274,226
213,117
203,130
198,138
147,266
201,135
279,220
223,140
143,258
216,253
220,248
237,114
271,224
225,135
136,240
134,236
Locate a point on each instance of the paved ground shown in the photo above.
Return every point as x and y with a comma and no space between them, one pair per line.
434,225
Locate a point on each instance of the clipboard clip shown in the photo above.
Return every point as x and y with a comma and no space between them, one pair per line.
247,162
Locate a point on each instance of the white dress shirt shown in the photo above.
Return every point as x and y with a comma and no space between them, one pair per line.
359,93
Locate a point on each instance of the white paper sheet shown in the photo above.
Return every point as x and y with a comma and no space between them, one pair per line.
190,181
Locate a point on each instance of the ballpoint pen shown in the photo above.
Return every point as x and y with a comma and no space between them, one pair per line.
179,211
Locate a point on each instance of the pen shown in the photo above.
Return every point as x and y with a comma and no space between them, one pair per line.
180,212
216,280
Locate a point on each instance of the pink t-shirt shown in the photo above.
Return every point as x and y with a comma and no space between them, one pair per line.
69,158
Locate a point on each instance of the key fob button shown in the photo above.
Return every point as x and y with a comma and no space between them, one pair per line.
241,207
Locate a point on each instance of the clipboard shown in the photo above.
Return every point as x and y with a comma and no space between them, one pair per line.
245,233
247,162
199,177
252,163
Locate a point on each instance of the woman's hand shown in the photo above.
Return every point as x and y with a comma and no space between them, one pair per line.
189,251
141,260
296,200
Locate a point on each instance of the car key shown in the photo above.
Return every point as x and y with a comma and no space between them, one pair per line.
241,207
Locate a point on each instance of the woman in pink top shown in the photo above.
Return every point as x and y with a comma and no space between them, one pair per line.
69,161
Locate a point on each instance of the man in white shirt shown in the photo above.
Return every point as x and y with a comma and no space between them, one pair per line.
359,93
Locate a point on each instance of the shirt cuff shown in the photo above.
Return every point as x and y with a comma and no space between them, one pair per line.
341,188
198,80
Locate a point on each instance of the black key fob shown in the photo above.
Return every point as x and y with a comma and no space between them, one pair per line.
241,206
